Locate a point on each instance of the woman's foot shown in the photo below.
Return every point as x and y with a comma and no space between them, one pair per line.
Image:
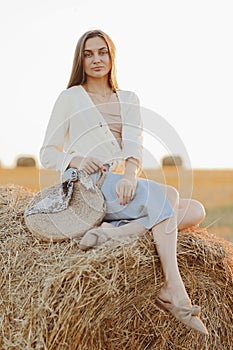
173,293
106,231
185,313
178,303
93,238
96,236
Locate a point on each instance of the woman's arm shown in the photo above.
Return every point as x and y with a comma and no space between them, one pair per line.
52,155
126,187
132,150
132,168
89,164
132,128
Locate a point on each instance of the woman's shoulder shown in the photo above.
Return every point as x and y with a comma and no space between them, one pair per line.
128,96
67,96
73,90
71,93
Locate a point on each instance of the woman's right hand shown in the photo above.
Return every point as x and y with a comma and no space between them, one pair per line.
89,164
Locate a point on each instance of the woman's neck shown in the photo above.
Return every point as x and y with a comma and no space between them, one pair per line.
97,87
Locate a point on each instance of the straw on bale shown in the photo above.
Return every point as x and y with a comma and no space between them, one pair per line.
54,296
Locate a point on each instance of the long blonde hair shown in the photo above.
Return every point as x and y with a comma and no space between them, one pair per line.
78,75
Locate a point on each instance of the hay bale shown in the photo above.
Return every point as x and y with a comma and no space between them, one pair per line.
54,296
25,162
172,161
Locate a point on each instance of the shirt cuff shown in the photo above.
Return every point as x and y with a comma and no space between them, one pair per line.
63,161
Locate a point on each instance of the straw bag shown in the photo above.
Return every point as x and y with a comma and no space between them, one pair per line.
67,210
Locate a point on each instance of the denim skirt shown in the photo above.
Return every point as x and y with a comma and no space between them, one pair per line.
149,206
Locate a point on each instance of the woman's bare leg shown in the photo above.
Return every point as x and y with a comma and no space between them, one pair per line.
165,237
190,213
112,232
130,229
173,295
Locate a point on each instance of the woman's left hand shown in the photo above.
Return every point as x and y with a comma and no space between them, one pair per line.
125,189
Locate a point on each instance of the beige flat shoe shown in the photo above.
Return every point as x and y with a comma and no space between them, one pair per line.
185,313
93,238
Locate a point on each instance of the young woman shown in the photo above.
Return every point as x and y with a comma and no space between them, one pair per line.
96,125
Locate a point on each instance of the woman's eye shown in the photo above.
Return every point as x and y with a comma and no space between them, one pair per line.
104,53
87,54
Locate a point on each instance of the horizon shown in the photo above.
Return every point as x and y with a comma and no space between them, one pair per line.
13,165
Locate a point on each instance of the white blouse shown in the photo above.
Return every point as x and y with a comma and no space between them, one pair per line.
77,128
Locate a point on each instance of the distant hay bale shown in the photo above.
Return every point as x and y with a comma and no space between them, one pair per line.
25,162
56,297
172,161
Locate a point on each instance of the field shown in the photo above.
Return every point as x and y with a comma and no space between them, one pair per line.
214,188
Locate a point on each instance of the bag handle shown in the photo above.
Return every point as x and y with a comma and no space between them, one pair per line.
101,178
72,175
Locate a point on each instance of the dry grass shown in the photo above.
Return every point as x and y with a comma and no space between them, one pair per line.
56,297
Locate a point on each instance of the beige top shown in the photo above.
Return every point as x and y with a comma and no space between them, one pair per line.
110,110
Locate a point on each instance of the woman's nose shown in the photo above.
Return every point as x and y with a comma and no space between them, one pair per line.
96,57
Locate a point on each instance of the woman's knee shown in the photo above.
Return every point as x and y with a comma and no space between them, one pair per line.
172,194
198,211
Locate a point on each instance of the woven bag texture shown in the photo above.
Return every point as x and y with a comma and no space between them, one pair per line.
86,210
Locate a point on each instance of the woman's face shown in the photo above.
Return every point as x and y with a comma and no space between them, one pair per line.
97,62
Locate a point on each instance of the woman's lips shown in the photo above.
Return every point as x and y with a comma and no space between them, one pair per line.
97,68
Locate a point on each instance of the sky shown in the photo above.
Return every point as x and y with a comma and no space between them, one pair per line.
175,55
